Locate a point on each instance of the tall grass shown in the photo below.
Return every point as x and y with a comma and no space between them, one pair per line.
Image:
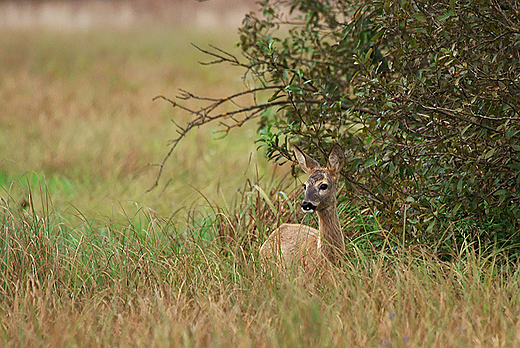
196,281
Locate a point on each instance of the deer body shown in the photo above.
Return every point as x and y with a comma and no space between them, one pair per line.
304,245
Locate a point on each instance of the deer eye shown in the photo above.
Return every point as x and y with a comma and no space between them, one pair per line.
323,187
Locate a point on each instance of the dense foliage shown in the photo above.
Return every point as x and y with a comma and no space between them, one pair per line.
423,94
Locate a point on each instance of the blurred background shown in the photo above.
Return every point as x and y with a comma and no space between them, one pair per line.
77,121
84,14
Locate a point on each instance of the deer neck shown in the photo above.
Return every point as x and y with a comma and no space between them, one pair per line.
331,243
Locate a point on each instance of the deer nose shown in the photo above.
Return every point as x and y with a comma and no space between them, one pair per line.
308,207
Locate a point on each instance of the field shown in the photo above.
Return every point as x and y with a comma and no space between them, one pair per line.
90,259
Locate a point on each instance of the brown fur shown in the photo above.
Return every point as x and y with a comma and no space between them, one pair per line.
295,244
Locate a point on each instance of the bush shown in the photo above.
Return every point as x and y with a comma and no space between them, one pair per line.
424,95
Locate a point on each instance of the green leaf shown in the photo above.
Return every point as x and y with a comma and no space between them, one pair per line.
377,36
391,167
276,96
515,165
445,16
457,207
465,129
293,88
420,17
369,162
488,154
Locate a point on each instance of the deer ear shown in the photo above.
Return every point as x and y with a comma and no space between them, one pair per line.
336,160
308,164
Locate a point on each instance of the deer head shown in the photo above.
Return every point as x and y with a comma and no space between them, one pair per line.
320,187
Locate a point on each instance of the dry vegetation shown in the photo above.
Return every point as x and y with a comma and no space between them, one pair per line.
88,259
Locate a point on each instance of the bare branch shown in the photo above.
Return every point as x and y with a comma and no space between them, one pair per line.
222,56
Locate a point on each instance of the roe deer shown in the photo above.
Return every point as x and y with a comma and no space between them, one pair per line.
303,244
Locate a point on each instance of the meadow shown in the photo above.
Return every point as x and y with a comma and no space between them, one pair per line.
89,258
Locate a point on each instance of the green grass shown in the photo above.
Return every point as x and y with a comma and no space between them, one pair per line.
89,259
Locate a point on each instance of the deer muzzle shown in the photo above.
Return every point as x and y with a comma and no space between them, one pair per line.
308,207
